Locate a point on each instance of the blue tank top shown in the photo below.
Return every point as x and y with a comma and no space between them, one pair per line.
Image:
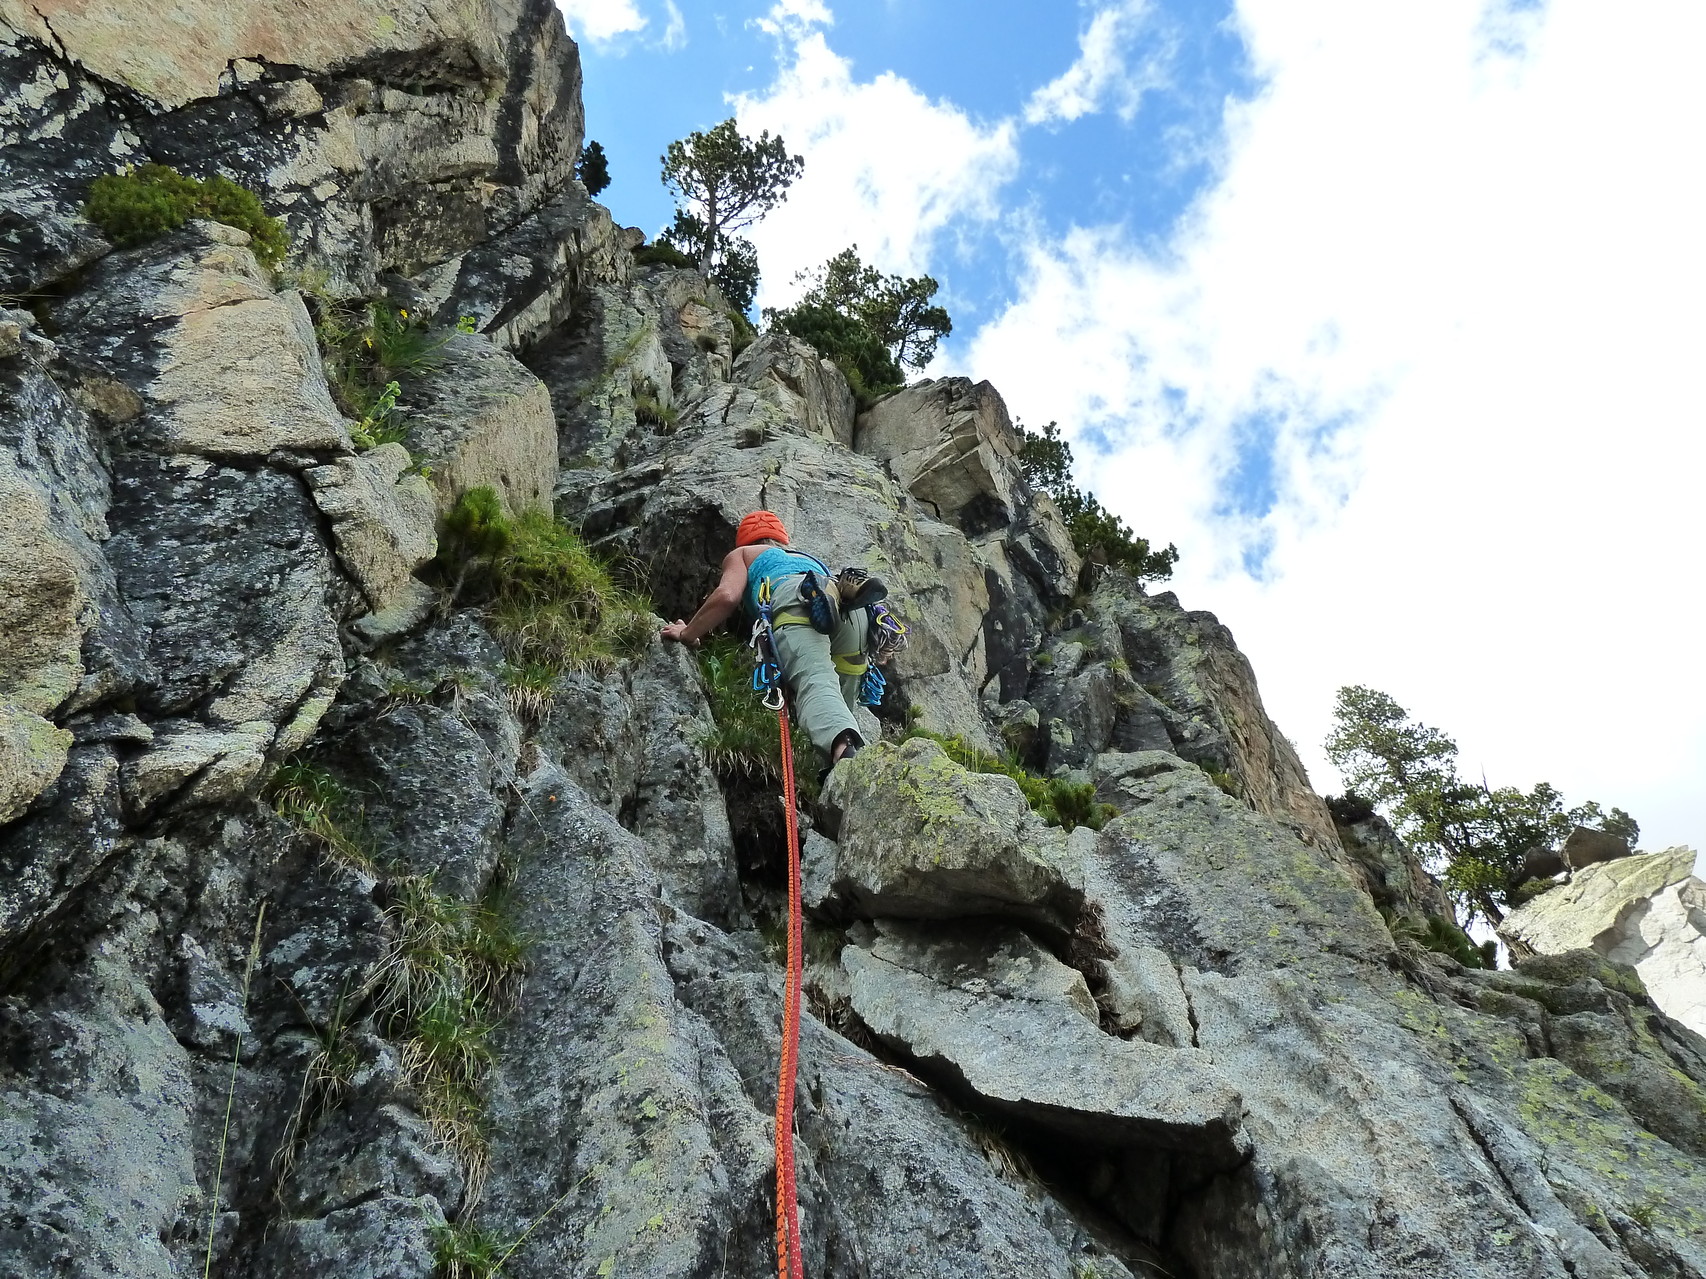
774,562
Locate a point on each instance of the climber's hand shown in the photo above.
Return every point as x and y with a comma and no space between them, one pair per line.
674,632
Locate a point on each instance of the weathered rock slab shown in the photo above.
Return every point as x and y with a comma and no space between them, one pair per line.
221,364
999,1017
922,838
1648,911
480,419
382,518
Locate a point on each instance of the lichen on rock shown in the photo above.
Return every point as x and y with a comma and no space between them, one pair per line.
261,789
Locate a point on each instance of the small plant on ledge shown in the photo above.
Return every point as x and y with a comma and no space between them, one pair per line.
146,202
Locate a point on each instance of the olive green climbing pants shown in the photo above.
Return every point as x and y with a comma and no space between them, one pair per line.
822,672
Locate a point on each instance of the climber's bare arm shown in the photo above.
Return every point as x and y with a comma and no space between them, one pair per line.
719,604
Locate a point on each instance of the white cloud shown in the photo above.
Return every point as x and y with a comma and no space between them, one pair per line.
601,20
885,167
1452,276
795,19
1103,71
675,34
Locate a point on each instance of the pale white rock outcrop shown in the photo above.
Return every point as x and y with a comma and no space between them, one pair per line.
1647,911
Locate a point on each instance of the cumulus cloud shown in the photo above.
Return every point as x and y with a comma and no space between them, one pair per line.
1412,384
1105,72
675,33
795,19
885,166
602,20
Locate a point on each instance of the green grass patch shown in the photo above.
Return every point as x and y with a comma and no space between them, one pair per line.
648,411
553,604
746,739
1056,800
317,804
442,992
145,202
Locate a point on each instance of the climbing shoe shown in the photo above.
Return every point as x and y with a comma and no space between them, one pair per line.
851,744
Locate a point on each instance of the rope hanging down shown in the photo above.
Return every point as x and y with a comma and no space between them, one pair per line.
787,1206
767,680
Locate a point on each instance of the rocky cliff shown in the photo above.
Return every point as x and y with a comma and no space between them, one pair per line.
335,942
1647,911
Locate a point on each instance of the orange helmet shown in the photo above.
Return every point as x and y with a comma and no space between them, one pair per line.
761,525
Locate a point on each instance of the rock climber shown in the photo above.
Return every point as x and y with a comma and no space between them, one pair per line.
822,672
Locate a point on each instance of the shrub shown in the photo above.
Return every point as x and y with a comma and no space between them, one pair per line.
1350,808
851,345
744,334
1057,801
659,253
593,168
1443,937
552,604
1099,535
145,202
368,347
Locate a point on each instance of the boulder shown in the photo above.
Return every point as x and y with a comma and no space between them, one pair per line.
1005,1021
32,755
221,364
1142,996
1587,847
922,838
479,418
44,606
950,444
222,763
1647,911
382,521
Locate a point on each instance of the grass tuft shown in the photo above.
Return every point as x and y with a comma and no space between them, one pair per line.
1056,800
318,805
443,990
528,689
468,1252
746,739
648,411
553,605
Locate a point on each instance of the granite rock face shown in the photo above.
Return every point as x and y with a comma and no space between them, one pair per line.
256,776
1647,911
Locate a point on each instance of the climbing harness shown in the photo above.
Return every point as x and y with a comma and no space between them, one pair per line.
767,680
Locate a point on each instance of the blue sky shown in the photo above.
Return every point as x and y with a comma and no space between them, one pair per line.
1385,313
987,57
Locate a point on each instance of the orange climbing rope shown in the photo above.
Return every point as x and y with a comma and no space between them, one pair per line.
787,1206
